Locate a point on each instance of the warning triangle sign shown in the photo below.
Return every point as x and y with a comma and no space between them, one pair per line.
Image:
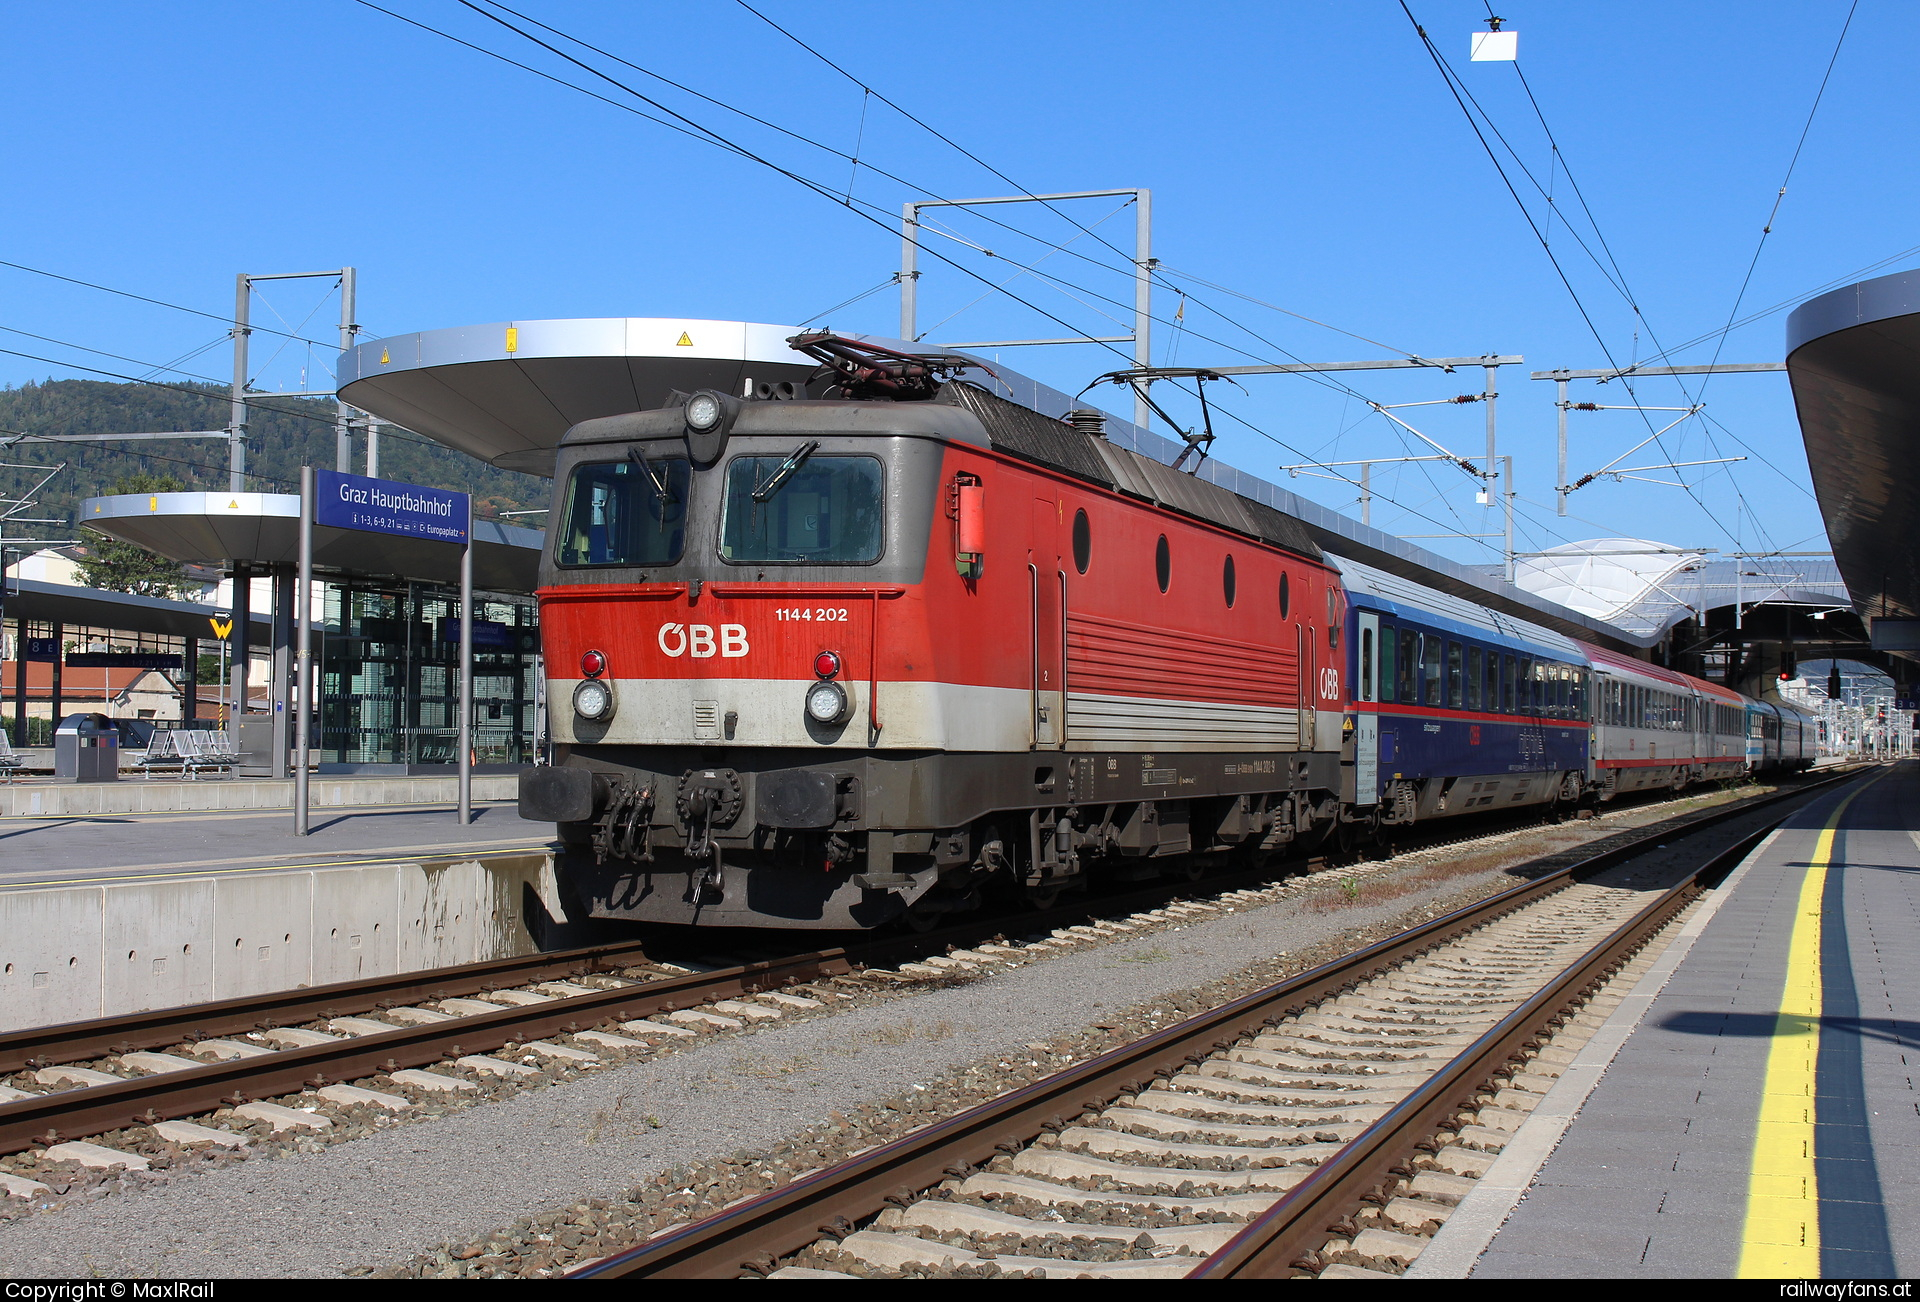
384,359
684,341
233,506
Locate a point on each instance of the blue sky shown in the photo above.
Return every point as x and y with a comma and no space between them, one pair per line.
1308,156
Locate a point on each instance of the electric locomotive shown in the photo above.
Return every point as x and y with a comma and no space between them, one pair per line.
840,660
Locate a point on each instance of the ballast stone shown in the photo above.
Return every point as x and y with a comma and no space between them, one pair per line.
96,1155
158,1063
495,1066
430,1080
75,1076
282,1118
347,1095
298,1037
227,1050
186,1132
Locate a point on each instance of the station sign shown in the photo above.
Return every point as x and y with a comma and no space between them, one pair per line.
123,660
488,634
343,501
44,649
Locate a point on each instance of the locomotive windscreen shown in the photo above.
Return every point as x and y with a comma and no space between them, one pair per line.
628,512
827,510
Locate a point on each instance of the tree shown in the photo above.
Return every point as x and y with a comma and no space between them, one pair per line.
118,566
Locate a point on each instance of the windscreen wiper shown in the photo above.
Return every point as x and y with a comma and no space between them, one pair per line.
785,472
660,482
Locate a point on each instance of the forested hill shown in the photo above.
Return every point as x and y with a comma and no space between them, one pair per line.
283,435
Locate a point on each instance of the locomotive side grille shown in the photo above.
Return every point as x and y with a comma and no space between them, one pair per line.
706,720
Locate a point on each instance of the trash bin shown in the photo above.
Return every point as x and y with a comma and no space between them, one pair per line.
86,748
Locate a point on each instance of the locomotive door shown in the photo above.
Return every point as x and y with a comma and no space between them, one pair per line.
1366,712
1048,641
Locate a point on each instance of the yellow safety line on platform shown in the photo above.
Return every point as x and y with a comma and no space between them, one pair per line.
1781,1239
214,866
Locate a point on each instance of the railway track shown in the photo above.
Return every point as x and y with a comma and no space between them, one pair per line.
431,1033
1321,1126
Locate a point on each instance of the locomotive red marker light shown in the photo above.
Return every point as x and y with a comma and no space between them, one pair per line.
593,664
826,665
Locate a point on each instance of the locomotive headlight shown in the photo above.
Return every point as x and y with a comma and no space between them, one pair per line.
704,411
593,700
826,702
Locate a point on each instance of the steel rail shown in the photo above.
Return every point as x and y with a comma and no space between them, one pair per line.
1289,1234
94,1109
752,1235
160,1028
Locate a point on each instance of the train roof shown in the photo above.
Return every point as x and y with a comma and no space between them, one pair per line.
1403,596
1614,663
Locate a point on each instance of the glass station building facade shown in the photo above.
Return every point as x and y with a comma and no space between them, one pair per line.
389,689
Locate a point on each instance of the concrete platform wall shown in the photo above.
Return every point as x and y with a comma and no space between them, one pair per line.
72,953
160,795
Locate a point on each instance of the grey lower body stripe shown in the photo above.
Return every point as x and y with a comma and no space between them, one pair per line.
1469,1231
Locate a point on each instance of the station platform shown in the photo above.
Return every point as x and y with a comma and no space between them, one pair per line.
1761,1119
60,850
110,913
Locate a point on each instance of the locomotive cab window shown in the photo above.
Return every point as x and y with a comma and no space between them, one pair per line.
629,512
803,510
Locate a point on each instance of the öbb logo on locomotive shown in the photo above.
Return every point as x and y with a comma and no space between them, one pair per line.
1027,610
697,640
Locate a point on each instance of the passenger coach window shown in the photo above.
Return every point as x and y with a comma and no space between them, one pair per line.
1366,664
1430,666
1409,667
617,514
803,510
1526,685
1453,675
1509,701
1476,671
1386,662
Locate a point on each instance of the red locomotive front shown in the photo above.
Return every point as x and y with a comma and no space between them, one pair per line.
837,663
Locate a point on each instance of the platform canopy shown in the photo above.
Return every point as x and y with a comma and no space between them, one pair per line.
1853,357
264,529
506,392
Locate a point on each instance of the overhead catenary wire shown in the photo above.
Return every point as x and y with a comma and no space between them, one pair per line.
1057,282
1780,197
706,134
1460,96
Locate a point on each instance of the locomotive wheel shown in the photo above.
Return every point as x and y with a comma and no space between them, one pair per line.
1045,895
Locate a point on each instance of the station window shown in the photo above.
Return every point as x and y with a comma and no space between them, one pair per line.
1387,659
1476,675
1454,686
